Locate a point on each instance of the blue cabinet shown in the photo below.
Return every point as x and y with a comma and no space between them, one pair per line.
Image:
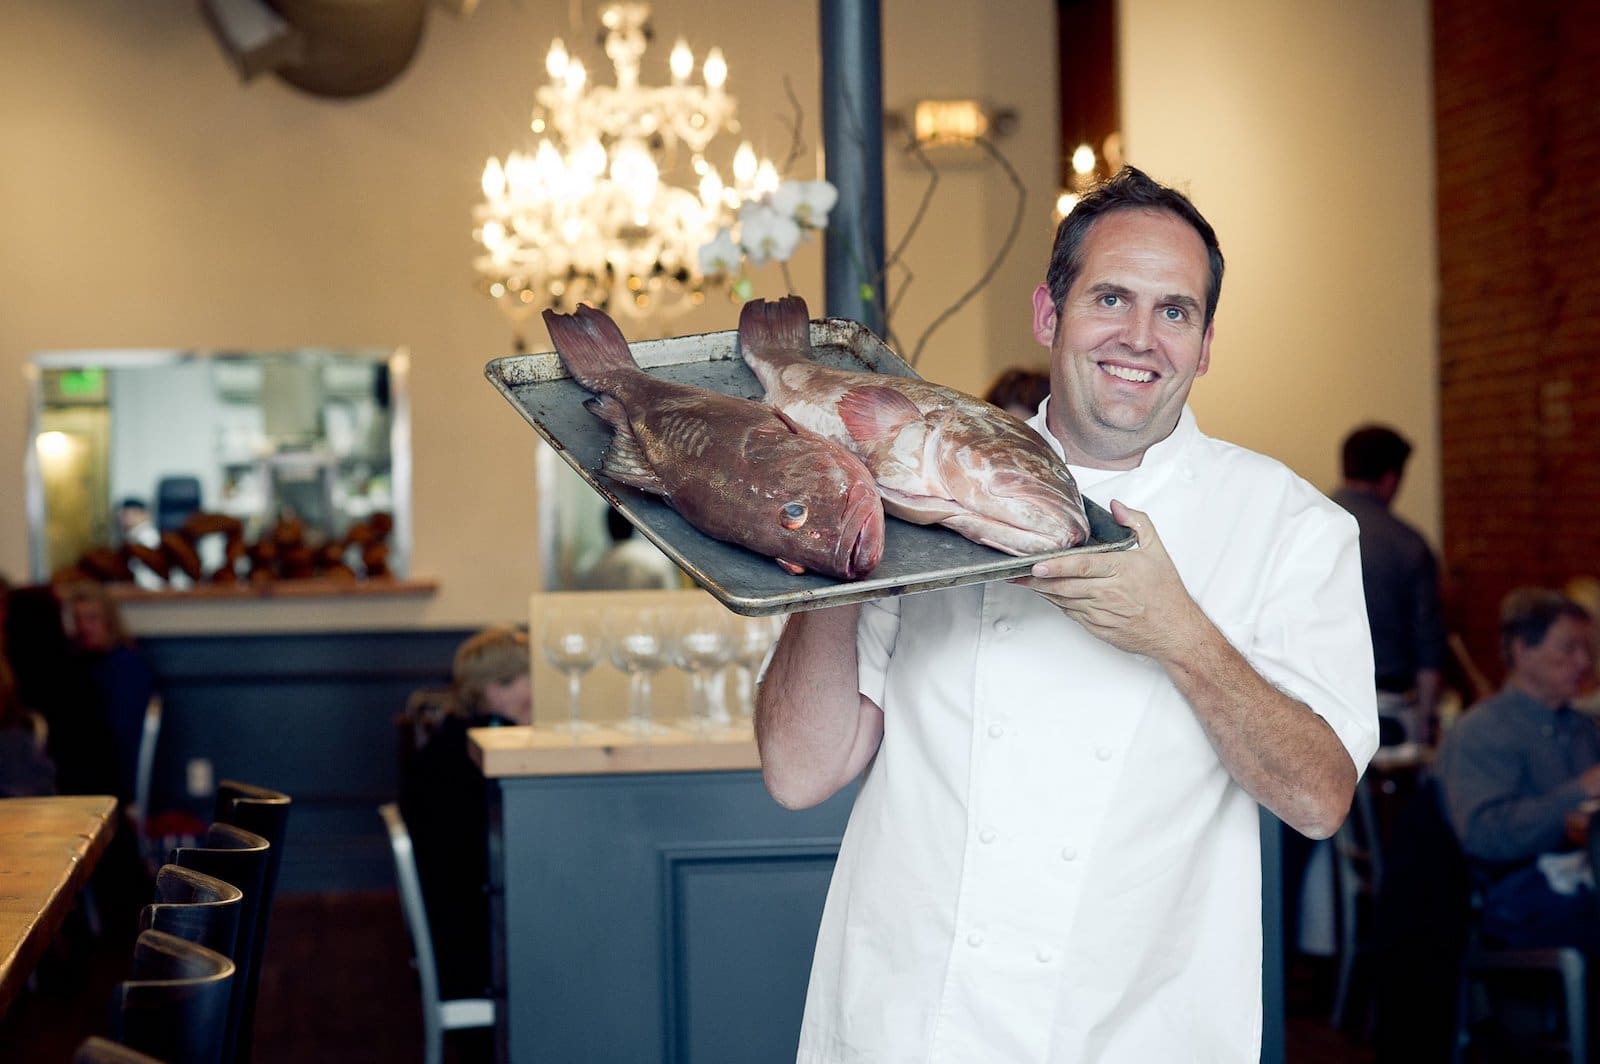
654,916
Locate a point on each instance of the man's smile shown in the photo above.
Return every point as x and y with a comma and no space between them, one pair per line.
1128,373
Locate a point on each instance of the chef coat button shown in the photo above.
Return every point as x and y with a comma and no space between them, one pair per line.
1103,753
1043,955
1003,627
986,835
1069,853
975,939
996,730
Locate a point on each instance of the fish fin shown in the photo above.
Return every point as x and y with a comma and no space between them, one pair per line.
607,409
918,509
875,412
789,567
782,326
625,462
589,344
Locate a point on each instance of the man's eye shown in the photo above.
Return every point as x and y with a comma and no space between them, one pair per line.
1109,300
1175,314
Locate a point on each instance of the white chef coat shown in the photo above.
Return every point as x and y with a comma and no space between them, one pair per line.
1047,861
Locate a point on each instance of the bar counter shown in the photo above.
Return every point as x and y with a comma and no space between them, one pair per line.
649,900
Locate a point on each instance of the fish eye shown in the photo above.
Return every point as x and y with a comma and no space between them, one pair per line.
794,515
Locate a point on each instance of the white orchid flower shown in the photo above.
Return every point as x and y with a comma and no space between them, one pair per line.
722,255
807,202
767,234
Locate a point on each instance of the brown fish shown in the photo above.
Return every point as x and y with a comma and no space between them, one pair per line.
735,469
939,456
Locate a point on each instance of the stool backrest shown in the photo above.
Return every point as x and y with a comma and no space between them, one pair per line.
195,906
174,1003
238,857
266,813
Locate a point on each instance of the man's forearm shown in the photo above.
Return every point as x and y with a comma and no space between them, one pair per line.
814,730
1282,753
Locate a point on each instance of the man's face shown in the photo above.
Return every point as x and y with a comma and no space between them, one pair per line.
1555,670
1130,337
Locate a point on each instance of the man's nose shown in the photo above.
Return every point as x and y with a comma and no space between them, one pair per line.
1136,332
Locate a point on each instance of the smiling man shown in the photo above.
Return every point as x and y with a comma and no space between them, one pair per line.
1054,853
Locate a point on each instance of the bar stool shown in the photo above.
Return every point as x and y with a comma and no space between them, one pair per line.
437,1016
196,907
97,1050
266,813
174,1003
239,857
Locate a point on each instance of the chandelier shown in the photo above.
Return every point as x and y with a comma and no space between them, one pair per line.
613,205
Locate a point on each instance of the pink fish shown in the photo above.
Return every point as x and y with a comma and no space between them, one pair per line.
735,469
939,455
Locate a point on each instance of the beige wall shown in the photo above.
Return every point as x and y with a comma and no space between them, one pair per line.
151,200
1304,132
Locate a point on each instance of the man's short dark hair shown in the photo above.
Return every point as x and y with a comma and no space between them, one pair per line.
1373,450
1129,189
1526,614
132,502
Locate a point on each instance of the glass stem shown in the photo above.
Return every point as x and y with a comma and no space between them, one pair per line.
574,682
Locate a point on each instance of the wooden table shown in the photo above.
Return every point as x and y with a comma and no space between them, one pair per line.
48,846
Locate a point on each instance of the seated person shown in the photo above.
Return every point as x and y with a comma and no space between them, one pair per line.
442,798
1517,771
1019,391
120,673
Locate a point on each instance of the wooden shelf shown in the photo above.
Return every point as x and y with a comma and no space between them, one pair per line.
276,589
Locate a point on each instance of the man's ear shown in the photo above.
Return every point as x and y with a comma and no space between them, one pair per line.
1044,316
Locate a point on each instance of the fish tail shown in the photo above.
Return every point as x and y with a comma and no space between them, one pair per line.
781,327
590,344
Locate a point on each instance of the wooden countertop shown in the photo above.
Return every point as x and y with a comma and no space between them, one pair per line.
48,846
508,752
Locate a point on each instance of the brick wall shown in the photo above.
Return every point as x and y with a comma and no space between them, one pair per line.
1517,104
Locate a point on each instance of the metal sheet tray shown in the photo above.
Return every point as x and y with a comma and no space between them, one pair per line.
915,558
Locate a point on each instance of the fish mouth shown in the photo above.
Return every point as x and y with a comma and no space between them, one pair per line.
864,513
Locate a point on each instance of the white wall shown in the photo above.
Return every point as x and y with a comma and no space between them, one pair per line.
153,201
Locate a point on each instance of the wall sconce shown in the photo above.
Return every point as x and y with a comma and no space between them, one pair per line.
951,124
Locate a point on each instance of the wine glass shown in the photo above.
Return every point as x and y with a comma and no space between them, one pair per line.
703,644
753,640
573,644
638,647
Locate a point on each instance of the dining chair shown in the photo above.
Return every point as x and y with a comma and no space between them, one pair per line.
144,774
174,1003
196,907
239,857
266,813
98,1050
438,1016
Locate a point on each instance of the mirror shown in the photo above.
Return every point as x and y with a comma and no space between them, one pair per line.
250,465
584,545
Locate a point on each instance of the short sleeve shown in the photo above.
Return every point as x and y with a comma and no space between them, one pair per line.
875,638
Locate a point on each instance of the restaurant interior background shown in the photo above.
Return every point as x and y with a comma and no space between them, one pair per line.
1350,154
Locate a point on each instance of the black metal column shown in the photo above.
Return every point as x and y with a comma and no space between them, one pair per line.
852,138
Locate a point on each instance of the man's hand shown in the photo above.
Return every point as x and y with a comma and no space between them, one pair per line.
1132,599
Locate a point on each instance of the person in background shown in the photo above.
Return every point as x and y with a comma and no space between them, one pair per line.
442,797
136,528
1520,774
1054,853
1019,391
1585,591
631,562
1400,576
26,770
120,672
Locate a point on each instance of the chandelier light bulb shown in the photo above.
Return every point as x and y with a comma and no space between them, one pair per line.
716,70
766,181
574,76
555,61
711,189
494,179
744,164
1083,159
681,62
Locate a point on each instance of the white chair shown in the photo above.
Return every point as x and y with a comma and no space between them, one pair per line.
139,809
437,1016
